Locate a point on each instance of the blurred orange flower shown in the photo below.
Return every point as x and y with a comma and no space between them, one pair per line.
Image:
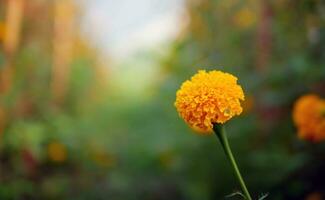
314,196
309,117
57,152
2,31
209,97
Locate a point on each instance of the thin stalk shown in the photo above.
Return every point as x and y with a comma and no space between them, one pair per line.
221,133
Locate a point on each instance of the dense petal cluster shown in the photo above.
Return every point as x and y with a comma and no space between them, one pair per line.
209,97
309,117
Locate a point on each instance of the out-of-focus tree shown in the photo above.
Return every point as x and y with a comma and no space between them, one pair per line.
11,37
63,41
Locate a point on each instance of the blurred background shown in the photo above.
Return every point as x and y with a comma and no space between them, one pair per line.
87,90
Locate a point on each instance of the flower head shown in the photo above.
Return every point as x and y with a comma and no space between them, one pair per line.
309,117
209,97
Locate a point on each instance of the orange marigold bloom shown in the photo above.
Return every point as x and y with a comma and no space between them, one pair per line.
209,97
309,117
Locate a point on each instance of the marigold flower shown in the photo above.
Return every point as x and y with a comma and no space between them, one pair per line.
309,117
209,97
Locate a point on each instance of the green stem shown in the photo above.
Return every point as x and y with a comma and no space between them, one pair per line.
221,133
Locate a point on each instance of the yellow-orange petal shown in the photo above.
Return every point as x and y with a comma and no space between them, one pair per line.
209,97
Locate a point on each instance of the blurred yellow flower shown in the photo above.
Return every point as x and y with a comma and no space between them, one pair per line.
209,97
57,152
244,18
2,31
309,117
